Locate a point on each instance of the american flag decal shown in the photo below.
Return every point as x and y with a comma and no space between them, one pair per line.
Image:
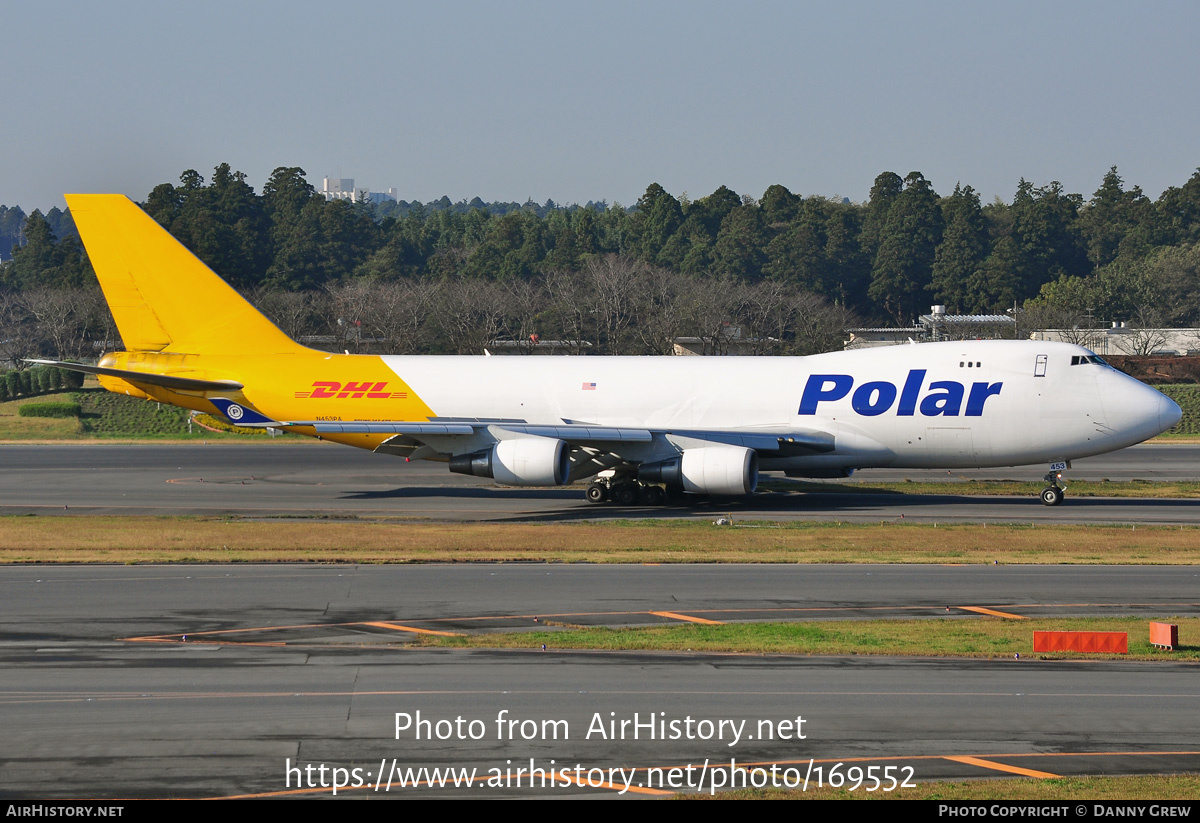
589,386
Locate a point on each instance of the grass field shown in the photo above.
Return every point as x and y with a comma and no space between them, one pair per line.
970,636
105,417
93,539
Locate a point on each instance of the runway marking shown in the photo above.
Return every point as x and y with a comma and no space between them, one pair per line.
688,618
797,609
1000,767
992,612
614,787
178,638
691,617
399,628
25,697
985,761
561,777
806,609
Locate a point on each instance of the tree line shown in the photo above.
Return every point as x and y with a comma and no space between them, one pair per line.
444,276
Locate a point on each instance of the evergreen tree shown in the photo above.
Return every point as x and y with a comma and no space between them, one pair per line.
1110,215
848,268
11,220
884,192
779,205
43,262
903,269
739,250
658,217
962,250
1178,215
995,283
1044,226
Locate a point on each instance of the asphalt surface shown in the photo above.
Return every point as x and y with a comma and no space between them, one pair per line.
212,681
325,479
298,666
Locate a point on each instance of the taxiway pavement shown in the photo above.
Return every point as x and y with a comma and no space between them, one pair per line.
297,666
328,480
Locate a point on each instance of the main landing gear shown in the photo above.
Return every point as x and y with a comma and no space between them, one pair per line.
1054,493
625,492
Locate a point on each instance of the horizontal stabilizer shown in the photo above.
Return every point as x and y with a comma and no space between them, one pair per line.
167,381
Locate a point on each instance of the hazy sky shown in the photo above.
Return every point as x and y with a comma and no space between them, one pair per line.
576,101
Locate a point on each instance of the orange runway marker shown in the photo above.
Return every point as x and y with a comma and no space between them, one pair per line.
399,628
687,618
992,612
1000,767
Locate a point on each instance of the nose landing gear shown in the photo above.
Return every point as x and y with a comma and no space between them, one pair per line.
1054,493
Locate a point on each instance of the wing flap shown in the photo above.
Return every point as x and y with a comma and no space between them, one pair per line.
787,442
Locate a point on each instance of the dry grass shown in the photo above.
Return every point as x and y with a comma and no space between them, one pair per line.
91,539
1181,489
25,429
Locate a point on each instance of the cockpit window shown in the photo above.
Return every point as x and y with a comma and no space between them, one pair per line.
1086,360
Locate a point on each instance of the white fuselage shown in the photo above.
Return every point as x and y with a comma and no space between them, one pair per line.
952,405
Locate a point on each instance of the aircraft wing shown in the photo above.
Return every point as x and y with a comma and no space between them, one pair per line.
789,441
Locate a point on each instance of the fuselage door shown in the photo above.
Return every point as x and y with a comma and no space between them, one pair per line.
1039,369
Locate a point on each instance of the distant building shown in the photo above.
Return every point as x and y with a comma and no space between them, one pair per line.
342,188
536,345
338,188
1122,339
1118,339
937,325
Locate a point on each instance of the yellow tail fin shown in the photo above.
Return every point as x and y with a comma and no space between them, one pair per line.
162,297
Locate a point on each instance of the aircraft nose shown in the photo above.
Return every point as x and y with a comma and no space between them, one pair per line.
1135,411
1169,412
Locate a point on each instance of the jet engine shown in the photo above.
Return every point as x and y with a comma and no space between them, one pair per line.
707,470
525,461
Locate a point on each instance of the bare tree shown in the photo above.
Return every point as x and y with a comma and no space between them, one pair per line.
818,326
396,316
469,313
99,325
714,310
613,281
525,303
62,318
292,311
1144,335
18,330
567,309
663,310
1072,325
766,313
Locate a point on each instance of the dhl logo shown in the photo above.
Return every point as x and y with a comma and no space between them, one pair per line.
355,391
